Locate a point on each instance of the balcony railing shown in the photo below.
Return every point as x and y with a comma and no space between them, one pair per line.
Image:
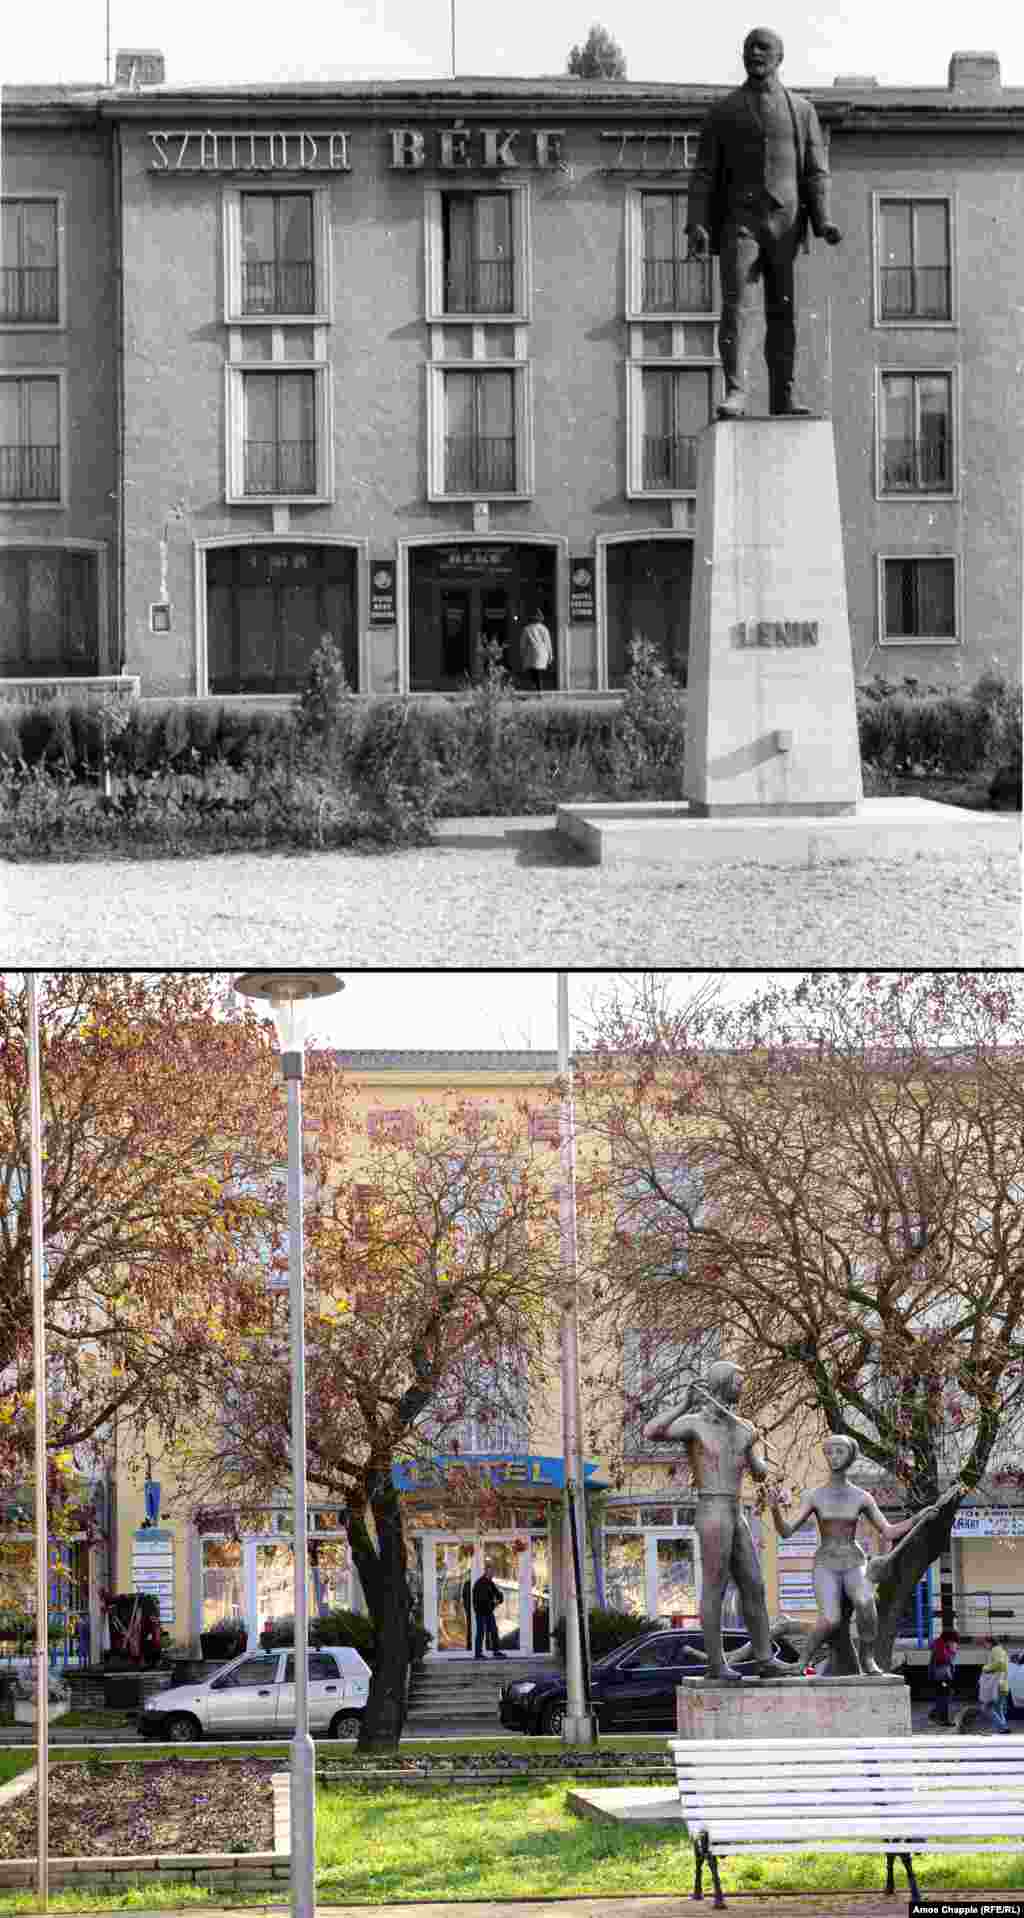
479,464
28,293
487,286
670,460
919,466
280,466
677,286
915,292
271,286
29,472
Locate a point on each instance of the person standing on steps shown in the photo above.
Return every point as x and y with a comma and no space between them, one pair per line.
486,1597
760,181
535,650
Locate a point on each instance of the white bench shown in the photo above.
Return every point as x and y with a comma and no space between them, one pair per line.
891,1795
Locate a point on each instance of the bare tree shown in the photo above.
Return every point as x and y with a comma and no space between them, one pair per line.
599,58
831,1178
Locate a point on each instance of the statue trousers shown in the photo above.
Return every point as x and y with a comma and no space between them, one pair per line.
727,1550
758,245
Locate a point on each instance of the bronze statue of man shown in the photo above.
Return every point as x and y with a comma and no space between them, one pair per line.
720,1447
761,180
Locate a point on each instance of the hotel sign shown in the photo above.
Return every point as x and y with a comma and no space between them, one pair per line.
449,149
519,1469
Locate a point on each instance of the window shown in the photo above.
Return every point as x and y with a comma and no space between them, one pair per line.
48,612
479,434
480,438
484,1407
29,288
252,1671
665,1212
661,275
267,608
279,433
916,433
478,260
30,439
276,256
656,1370
671,281
675,403
915,278
918,600
277,253
477,248
319,1665
223,1583
279,440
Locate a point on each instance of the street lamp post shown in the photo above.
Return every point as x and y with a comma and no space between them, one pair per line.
578,1723
292,996
39,1386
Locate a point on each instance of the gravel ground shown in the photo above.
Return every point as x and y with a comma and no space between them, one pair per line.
508,892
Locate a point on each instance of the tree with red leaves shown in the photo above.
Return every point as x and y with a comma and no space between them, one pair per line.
827,1181
160,1136
432,1261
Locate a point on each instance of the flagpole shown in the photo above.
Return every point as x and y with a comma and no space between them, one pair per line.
577,1725
453,39
39,1384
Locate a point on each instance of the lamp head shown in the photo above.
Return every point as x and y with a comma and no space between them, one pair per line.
291,1000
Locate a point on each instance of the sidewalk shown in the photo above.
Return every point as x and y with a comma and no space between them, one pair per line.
863,1904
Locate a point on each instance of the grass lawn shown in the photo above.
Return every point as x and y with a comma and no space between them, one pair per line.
518,1841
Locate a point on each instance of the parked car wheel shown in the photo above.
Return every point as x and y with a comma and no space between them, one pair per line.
182,1729
551,1720
345,1725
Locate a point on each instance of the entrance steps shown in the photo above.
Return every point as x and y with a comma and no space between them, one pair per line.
464,1690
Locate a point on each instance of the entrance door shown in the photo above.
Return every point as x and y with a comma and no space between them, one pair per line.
451,1568
648,597
456,608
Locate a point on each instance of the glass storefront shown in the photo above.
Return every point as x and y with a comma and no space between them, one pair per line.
651,1563
648,597
519,1566
253,1580
269,607
464,595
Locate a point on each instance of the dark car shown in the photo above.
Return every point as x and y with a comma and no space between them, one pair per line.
631,1689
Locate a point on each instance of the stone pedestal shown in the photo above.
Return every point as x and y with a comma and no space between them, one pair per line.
794,1708
771,717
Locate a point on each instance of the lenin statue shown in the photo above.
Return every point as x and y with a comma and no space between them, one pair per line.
760,181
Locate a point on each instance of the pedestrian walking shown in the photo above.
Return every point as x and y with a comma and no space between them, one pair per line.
942,1671
994,1682
535,650
486,1597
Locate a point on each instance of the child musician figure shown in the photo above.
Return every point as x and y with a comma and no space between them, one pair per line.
841,1565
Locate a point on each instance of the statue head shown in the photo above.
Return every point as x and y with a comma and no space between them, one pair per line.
762,54
840,1451
725,1381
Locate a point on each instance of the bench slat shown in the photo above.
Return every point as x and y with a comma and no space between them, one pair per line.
801,1824
766,1846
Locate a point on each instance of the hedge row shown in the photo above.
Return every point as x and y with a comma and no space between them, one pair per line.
483,754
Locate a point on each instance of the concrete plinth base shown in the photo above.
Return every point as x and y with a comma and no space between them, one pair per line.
794,1708
670,834
771,719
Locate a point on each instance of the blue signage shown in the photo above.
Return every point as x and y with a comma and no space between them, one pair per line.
516,1470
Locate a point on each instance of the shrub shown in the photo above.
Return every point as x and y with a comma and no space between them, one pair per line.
328,1628
948,734
608,1629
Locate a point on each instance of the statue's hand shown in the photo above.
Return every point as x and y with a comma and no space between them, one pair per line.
831,235
700,241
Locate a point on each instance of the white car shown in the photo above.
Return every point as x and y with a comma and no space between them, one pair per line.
255,1694
1016,1676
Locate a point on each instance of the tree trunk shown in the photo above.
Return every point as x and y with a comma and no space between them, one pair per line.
895,1588
382,1572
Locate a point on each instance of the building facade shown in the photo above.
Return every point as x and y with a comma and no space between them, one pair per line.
409,363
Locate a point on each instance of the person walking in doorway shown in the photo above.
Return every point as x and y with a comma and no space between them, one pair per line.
536,651
486,1598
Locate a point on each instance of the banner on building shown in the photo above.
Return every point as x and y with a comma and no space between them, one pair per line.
989,1521
581,591
382,593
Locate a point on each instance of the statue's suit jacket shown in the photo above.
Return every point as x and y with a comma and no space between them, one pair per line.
731,161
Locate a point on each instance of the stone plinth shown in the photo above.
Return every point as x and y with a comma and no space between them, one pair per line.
771,718
794,1708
